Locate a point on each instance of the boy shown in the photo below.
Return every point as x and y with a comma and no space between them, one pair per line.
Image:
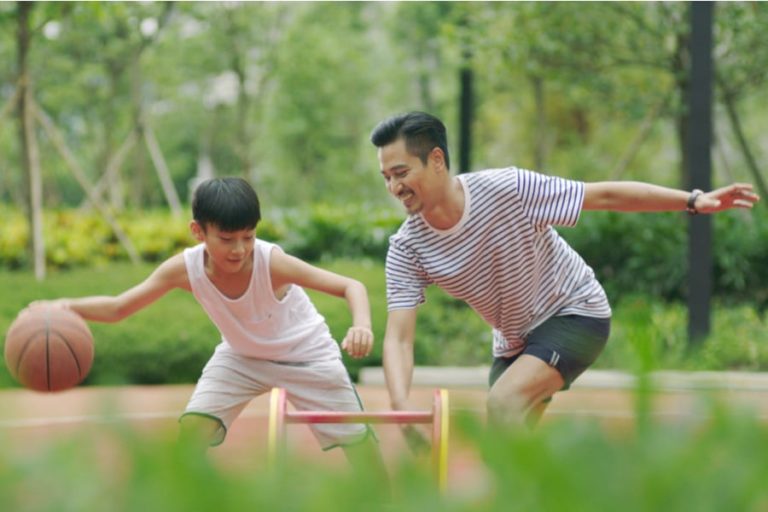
272,335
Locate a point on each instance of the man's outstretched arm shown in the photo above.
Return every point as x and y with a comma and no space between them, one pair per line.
634,196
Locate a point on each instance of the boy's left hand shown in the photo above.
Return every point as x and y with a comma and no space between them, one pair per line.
358,342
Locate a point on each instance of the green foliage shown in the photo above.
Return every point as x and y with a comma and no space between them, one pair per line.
325,231
647,253
649,335
630,253
14,236
170,341
711,463
267,91
75,238
664,467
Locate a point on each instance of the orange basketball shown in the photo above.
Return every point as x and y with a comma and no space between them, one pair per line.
49,349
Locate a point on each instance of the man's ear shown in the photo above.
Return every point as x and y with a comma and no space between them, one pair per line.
197,231
437,157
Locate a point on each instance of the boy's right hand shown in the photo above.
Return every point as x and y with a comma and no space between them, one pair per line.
56,303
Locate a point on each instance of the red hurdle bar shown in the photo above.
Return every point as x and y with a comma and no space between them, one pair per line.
279,417
358,417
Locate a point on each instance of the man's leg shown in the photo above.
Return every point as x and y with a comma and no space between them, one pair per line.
519,395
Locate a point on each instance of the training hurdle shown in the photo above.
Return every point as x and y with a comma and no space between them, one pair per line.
280,417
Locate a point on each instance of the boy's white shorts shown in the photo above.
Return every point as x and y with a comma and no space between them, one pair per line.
229,381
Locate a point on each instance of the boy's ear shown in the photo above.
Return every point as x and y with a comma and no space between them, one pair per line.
197,230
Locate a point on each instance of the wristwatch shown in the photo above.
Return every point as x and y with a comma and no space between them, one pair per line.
691,205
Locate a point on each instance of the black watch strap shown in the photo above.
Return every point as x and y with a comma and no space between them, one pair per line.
691,205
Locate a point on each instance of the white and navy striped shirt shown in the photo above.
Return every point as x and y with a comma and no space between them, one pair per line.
503,257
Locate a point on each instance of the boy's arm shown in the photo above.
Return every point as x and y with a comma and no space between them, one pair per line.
633,196
286,269
104,308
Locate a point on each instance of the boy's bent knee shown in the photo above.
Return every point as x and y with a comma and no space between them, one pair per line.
201,430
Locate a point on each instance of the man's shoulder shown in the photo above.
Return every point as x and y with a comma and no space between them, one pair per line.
495,173
494,178
410,230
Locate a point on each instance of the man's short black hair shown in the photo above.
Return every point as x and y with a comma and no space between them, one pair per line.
231,204
422,133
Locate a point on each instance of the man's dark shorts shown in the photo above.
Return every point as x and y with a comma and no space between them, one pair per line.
568,343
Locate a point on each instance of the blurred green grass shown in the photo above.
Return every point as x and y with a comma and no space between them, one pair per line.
714,462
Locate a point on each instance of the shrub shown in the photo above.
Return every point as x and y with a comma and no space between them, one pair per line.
644,253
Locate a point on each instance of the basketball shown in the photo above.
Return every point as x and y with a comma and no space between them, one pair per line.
48,349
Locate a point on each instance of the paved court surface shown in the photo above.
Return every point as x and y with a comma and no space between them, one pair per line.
29,420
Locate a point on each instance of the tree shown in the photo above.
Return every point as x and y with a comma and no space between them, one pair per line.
740,32
28,139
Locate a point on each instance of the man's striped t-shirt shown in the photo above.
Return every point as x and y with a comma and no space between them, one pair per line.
503,257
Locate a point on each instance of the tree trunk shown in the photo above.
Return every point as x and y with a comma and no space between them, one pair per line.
171,197
243,108
642,135
77,172
540,144
29,149
139,178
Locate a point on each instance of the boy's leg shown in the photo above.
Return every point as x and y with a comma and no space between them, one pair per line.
366,456
323,386
227,384
199,431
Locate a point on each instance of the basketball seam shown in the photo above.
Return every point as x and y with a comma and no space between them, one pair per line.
71,351
47,349
23,351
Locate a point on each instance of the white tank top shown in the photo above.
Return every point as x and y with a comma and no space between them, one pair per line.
256,324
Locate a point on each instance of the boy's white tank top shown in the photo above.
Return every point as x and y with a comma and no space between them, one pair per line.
256,324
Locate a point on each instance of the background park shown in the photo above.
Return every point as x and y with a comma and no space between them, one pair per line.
111,112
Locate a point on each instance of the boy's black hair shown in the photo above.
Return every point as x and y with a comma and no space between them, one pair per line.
422,133
231,204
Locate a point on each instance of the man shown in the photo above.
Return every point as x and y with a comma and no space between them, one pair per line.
487,238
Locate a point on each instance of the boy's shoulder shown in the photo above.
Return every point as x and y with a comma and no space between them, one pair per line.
173,271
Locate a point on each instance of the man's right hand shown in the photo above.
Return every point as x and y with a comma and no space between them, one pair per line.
416,440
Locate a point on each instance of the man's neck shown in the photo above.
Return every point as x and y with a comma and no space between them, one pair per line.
448,209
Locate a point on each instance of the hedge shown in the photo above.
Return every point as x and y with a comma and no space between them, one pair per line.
630,252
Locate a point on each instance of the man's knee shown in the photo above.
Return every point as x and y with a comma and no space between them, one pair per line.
523,388
507,405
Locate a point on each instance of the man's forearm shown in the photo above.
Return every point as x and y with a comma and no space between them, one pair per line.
398,370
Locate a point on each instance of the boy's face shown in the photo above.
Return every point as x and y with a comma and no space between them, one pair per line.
229,251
